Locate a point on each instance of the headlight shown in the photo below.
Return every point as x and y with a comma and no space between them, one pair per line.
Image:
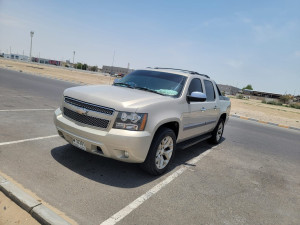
131,121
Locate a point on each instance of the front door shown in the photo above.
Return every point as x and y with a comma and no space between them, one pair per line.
194,120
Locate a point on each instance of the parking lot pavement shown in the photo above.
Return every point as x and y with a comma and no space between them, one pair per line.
250,178
26,124
234,184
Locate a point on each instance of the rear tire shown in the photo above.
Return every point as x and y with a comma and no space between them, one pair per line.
217,132
161,152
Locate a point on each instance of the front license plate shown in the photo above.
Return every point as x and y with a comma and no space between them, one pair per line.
79,144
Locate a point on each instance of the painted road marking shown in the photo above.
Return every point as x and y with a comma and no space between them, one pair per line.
284,126
264,122
21,110
140,200
30,139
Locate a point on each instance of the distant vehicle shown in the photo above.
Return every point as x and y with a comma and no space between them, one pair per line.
121,75
143,116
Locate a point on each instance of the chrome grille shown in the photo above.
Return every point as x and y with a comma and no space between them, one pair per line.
89,120
89,106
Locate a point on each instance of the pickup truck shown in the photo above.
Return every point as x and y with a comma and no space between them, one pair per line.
144,116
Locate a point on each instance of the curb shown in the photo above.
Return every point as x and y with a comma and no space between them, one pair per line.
265,122
35,208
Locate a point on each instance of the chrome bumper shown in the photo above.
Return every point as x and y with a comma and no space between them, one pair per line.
122,145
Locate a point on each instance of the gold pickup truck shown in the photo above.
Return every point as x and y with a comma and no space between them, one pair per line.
144,116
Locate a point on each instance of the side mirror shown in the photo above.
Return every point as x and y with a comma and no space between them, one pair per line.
196,96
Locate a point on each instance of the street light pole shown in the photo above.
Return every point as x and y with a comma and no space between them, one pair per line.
112,64
31,35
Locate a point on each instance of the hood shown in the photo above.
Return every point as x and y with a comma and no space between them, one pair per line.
119,98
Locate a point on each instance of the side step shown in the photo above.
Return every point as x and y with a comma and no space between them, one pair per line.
193,141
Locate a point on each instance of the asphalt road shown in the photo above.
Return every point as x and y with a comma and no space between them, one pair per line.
252,177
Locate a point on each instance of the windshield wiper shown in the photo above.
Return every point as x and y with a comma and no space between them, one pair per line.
123,84
149,90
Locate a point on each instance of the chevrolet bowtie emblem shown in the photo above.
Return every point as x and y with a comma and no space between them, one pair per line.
82,111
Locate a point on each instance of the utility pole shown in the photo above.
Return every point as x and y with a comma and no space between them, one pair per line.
73,56
112,64
31,35
9,49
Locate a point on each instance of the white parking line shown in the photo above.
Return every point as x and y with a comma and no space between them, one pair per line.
25,140
20,110
140,200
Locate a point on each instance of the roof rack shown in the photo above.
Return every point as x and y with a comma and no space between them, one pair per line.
185,71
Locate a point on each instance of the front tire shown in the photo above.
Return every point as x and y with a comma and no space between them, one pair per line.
161,152
217,132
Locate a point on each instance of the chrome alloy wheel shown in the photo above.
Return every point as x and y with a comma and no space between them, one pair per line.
220,131
164,152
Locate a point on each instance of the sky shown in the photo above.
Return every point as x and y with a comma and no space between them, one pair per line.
234,42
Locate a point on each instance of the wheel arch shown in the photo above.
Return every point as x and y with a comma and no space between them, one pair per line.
223,117
173,125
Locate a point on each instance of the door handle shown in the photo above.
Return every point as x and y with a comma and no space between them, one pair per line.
215,108
203,109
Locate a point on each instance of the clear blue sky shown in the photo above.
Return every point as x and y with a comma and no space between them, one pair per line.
235,42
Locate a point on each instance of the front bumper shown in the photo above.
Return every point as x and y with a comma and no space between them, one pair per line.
122,145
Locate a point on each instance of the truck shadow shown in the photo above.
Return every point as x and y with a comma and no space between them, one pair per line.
118,174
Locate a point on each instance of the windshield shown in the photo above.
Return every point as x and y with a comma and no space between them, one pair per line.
162,83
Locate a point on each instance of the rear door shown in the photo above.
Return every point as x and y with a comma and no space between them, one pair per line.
210,106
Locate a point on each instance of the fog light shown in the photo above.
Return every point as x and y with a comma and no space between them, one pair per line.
126,154
99,150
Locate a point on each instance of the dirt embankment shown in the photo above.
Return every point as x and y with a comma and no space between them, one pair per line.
57,72
265,112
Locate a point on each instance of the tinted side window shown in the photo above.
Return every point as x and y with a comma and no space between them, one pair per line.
210,91
195,85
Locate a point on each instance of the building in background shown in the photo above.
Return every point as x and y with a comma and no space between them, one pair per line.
16,56
33,59
260,95
115,70
229,90
46,61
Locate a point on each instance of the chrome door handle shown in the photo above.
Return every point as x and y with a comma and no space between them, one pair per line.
215,108
203,109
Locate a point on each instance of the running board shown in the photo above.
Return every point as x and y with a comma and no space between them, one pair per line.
193,141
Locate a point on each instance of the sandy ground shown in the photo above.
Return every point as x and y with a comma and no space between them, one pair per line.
12,214
265,112
73,75
248,108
